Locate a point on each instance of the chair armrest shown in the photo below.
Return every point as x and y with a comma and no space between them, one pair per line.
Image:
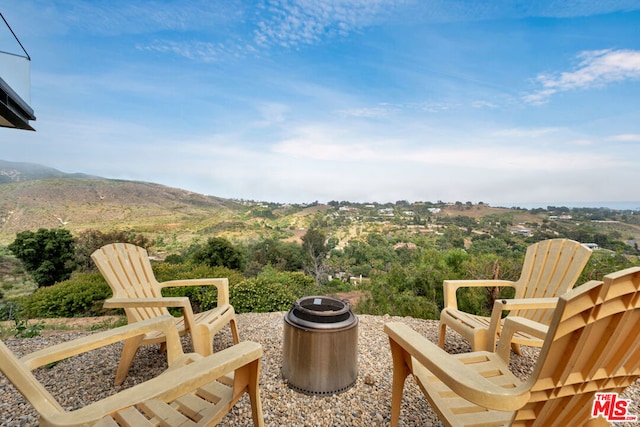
164,324
222,283
451,286
147,302
515,324
463,380
176,302
501,305
171,384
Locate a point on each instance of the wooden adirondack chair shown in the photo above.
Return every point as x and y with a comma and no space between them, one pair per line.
127,270
592,345
194,391
551,268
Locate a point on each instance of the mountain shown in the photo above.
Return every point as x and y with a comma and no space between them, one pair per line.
34,196
18,172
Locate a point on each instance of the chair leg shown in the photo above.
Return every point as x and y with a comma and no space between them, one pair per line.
400,373
516,348
254,394
129,351
443,331
234,330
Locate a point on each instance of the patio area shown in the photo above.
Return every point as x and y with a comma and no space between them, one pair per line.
366,404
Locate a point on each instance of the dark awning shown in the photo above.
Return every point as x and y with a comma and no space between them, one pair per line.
15,68
14,111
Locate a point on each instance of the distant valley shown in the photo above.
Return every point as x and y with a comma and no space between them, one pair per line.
34,196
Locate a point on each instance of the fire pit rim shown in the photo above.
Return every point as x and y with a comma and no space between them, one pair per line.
330,320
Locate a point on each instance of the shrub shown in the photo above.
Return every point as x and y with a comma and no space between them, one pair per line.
202,297
165,271
47,254
400,304
218,251
80,296
174,259
90,240
271,291
10,310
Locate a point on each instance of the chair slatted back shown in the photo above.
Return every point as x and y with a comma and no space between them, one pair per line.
551,268
592,345
127,270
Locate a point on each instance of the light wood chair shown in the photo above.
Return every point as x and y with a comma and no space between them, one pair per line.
127,270
194,391
592,345
550,268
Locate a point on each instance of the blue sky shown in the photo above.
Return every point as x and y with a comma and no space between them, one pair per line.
504,102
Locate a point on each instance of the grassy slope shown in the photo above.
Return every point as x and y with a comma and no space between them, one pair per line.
80,204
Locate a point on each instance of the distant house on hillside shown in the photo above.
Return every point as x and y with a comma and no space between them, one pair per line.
407,245
521,231
560,217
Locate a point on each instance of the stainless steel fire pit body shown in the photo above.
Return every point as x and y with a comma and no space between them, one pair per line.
320,354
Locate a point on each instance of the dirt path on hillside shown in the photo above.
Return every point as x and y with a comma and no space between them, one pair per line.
353,296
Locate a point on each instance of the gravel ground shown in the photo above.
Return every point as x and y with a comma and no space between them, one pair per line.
365,404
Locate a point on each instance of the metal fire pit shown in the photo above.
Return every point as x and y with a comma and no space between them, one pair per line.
320,354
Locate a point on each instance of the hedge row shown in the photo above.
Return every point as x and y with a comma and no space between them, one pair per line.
84,293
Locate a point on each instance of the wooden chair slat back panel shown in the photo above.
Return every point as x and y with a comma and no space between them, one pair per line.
127,270
595,347
551,268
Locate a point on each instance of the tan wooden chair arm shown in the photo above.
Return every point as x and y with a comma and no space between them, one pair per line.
164,324
502,305
524,304
168,386
221,283
147,302
460,378
176,302
515,324
451,286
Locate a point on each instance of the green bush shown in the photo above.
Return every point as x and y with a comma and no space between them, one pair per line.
400,304
46,254
202,298
272,290
9,310
169,271
82,295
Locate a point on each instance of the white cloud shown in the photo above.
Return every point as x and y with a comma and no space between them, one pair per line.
629,137
525,132
291,23
319,144
582,142
272,113
483,104
194,50
596,68
381,111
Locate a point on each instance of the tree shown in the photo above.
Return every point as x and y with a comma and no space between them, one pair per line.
89,241
315,252
47,254
218,251
284,256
